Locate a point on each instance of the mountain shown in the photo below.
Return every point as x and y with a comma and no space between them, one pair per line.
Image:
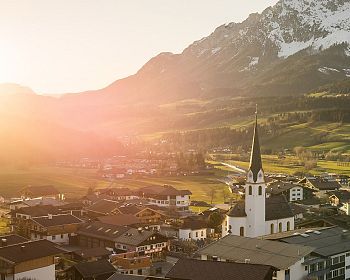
292,48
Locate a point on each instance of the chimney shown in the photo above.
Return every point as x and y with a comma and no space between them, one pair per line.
49,216
3,242
22,248
139,230
247,261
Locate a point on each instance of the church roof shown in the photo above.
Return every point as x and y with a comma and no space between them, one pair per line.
238,210
255,158
276,207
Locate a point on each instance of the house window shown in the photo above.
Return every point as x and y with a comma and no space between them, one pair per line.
53,237
196,233
241,231
288,225
280,227
202,233
250,190
260,190
272,228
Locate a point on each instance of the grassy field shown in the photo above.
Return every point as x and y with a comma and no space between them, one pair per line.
68,180
75,182
289,165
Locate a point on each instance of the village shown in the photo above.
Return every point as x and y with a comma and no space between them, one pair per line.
279,227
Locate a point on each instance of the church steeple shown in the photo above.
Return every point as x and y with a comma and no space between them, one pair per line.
255,158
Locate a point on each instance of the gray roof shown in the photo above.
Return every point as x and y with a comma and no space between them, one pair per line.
238,249
327,242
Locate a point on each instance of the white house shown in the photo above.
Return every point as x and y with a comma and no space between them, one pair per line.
194,229
258,215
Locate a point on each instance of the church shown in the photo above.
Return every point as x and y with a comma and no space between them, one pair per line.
257,215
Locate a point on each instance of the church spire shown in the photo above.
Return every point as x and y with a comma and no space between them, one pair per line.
255,158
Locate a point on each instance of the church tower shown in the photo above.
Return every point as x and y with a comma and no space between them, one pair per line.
255,190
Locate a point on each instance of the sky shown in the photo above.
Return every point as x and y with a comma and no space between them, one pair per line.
61,46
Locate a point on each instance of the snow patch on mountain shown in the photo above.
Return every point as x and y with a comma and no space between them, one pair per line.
215,50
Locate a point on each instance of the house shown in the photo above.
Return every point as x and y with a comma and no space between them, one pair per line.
320,186
122,194
298,211
191,269
132,263
288,259
290,190
330,258
29,260
46,191
194,228
113,237
19,203
166,196
94,270
20,219
103,207
148,215
257,215
119,276
343,180
338,198
56,228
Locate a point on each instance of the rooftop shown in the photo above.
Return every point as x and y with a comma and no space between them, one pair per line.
327,242
94,268
239,249
57,220
104,206
29,250
191,269
38,210
120,220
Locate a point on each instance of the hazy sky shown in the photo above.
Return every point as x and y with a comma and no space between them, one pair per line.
58,46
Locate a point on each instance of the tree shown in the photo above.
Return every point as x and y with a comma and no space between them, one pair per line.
215,220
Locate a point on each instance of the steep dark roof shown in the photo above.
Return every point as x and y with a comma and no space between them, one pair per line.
11,239
276,207
255,158
30,250
191,269
104,206
38,210
95,268
238,210
57,220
